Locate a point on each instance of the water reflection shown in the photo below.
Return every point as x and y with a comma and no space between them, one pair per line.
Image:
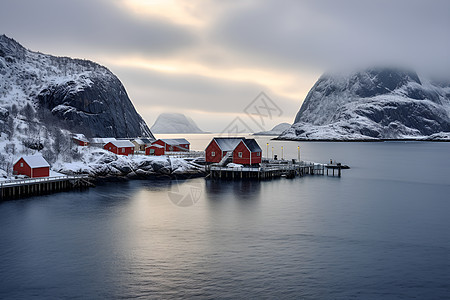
313,236
241,190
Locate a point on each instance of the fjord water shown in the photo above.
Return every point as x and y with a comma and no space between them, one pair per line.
381,231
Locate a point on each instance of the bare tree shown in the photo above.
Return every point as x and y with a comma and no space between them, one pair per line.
14,110
58,143
28,112
11,127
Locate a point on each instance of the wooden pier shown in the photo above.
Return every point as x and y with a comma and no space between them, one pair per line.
267,171
18,188
337,167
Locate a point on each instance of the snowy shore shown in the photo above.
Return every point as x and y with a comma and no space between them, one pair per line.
101,164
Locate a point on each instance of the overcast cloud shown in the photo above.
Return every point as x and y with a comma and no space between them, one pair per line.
208,59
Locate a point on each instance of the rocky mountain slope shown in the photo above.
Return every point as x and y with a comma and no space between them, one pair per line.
276,130
377,103
175,123
79,95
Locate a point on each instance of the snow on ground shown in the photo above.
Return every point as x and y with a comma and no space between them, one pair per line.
98,162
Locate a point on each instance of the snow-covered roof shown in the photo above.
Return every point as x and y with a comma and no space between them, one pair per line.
156,146
142,141
34,161
122,143
252,145
175,142
102,140
80,137
228,143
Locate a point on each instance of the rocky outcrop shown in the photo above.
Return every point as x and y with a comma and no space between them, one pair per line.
78,94
377,103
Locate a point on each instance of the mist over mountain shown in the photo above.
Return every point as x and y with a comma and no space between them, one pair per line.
175,123
376,103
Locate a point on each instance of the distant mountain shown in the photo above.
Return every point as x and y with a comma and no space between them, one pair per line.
175,123
277,130
377,103
78,95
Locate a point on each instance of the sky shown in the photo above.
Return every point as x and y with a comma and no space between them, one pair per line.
212,59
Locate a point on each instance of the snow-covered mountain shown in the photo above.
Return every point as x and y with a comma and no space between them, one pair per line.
78,95
277,130
175,123
377,103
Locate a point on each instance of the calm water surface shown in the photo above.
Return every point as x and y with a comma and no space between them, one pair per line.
379,232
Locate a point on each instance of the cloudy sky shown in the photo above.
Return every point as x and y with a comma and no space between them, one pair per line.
209,59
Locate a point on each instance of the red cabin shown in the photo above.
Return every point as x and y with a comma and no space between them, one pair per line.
219,147
120,147
80,139
32,166
155,149
247,152
80,142
174,145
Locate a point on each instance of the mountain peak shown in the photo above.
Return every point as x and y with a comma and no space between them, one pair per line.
10,47
378,103
75,94
174,123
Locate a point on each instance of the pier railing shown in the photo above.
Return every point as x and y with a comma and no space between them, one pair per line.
25,181
185,154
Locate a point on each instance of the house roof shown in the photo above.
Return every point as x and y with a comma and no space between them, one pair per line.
156,146
142,141
102,140
80,137
34,161
122,143
147,141
228,143
252,145
175,142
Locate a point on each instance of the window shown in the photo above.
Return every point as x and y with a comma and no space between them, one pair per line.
213,153
152,151
21,165
240,154
123,150
258,153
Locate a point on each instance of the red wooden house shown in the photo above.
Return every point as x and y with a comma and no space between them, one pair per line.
32,166
120,147
220,147
175,145
155,149
80,141
247,152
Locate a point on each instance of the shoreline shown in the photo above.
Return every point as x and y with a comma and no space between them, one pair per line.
361,140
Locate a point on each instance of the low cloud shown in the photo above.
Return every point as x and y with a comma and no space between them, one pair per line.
209,58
